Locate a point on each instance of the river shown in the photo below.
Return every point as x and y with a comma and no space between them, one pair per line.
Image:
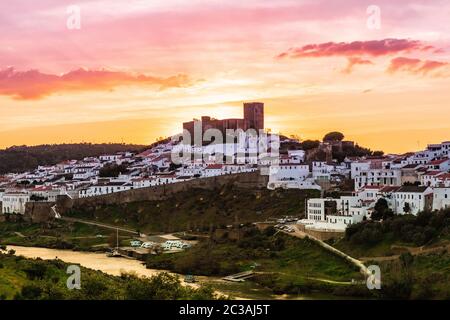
96,261
115,266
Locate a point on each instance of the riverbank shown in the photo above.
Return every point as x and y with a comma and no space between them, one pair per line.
23,278
91,260
116,266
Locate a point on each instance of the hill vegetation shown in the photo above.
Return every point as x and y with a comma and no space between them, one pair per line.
412,252
374,238
282,263
27,279
201,210
24,158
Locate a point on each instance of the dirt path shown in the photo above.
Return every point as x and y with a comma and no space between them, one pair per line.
415,251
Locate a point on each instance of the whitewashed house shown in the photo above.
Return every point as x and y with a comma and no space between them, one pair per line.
378,177
417,198
289,171
14,202
441,198
110,157
104,188
213,170
442,165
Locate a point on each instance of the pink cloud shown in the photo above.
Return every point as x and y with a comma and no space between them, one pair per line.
352,61
374,48
33,84
415,66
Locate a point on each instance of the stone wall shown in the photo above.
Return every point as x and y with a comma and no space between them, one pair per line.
38,212
251,180
322,235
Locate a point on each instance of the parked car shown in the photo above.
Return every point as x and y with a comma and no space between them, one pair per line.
147,245
135,243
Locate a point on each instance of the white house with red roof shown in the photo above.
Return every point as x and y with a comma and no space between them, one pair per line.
162,161
431,178
378,177
213,170
442,165
416,198
443,180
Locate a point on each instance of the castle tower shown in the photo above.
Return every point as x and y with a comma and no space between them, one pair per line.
254,115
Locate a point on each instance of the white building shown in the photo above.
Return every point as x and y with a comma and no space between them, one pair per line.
289,171
439,165
213,170
431,178
357,167
416,198
378,177
327,214
110,157
321,170
104,188
441,198
14,202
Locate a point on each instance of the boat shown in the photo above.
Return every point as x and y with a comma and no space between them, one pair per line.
189,279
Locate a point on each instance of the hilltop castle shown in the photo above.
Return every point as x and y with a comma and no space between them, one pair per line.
253,119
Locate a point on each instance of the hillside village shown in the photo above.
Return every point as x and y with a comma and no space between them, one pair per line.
409,183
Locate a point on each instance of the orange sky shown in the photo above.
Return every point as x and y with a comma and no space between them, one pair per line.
137,69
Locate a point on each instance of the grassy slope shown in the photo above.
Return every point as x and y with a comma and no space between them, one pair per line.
47,280
299,266
59,234
425,276
201,209
381,249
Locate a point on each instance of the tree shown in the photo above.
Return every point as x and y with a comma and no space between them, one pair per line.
310,144
378,153
406,259
381,210
112,170
333,136
407,208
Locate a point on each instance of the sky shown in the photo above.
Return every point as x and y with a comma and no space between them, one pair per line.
132,71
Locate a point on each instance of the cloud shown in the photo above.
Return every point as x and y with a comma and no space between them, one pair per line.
33,84
374,48
415,66
352,61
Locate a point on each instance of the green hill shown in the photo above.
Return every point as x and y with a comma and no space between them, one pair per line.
201,210
27,279
24,158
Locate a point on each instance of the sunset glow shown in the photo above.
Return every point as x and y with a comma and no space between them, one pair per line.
136,69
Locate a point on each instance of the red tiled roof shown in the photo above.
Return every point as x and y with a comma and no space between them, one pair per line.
146,153
215,166
372,187
433,173
445,176
386,189
434,162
